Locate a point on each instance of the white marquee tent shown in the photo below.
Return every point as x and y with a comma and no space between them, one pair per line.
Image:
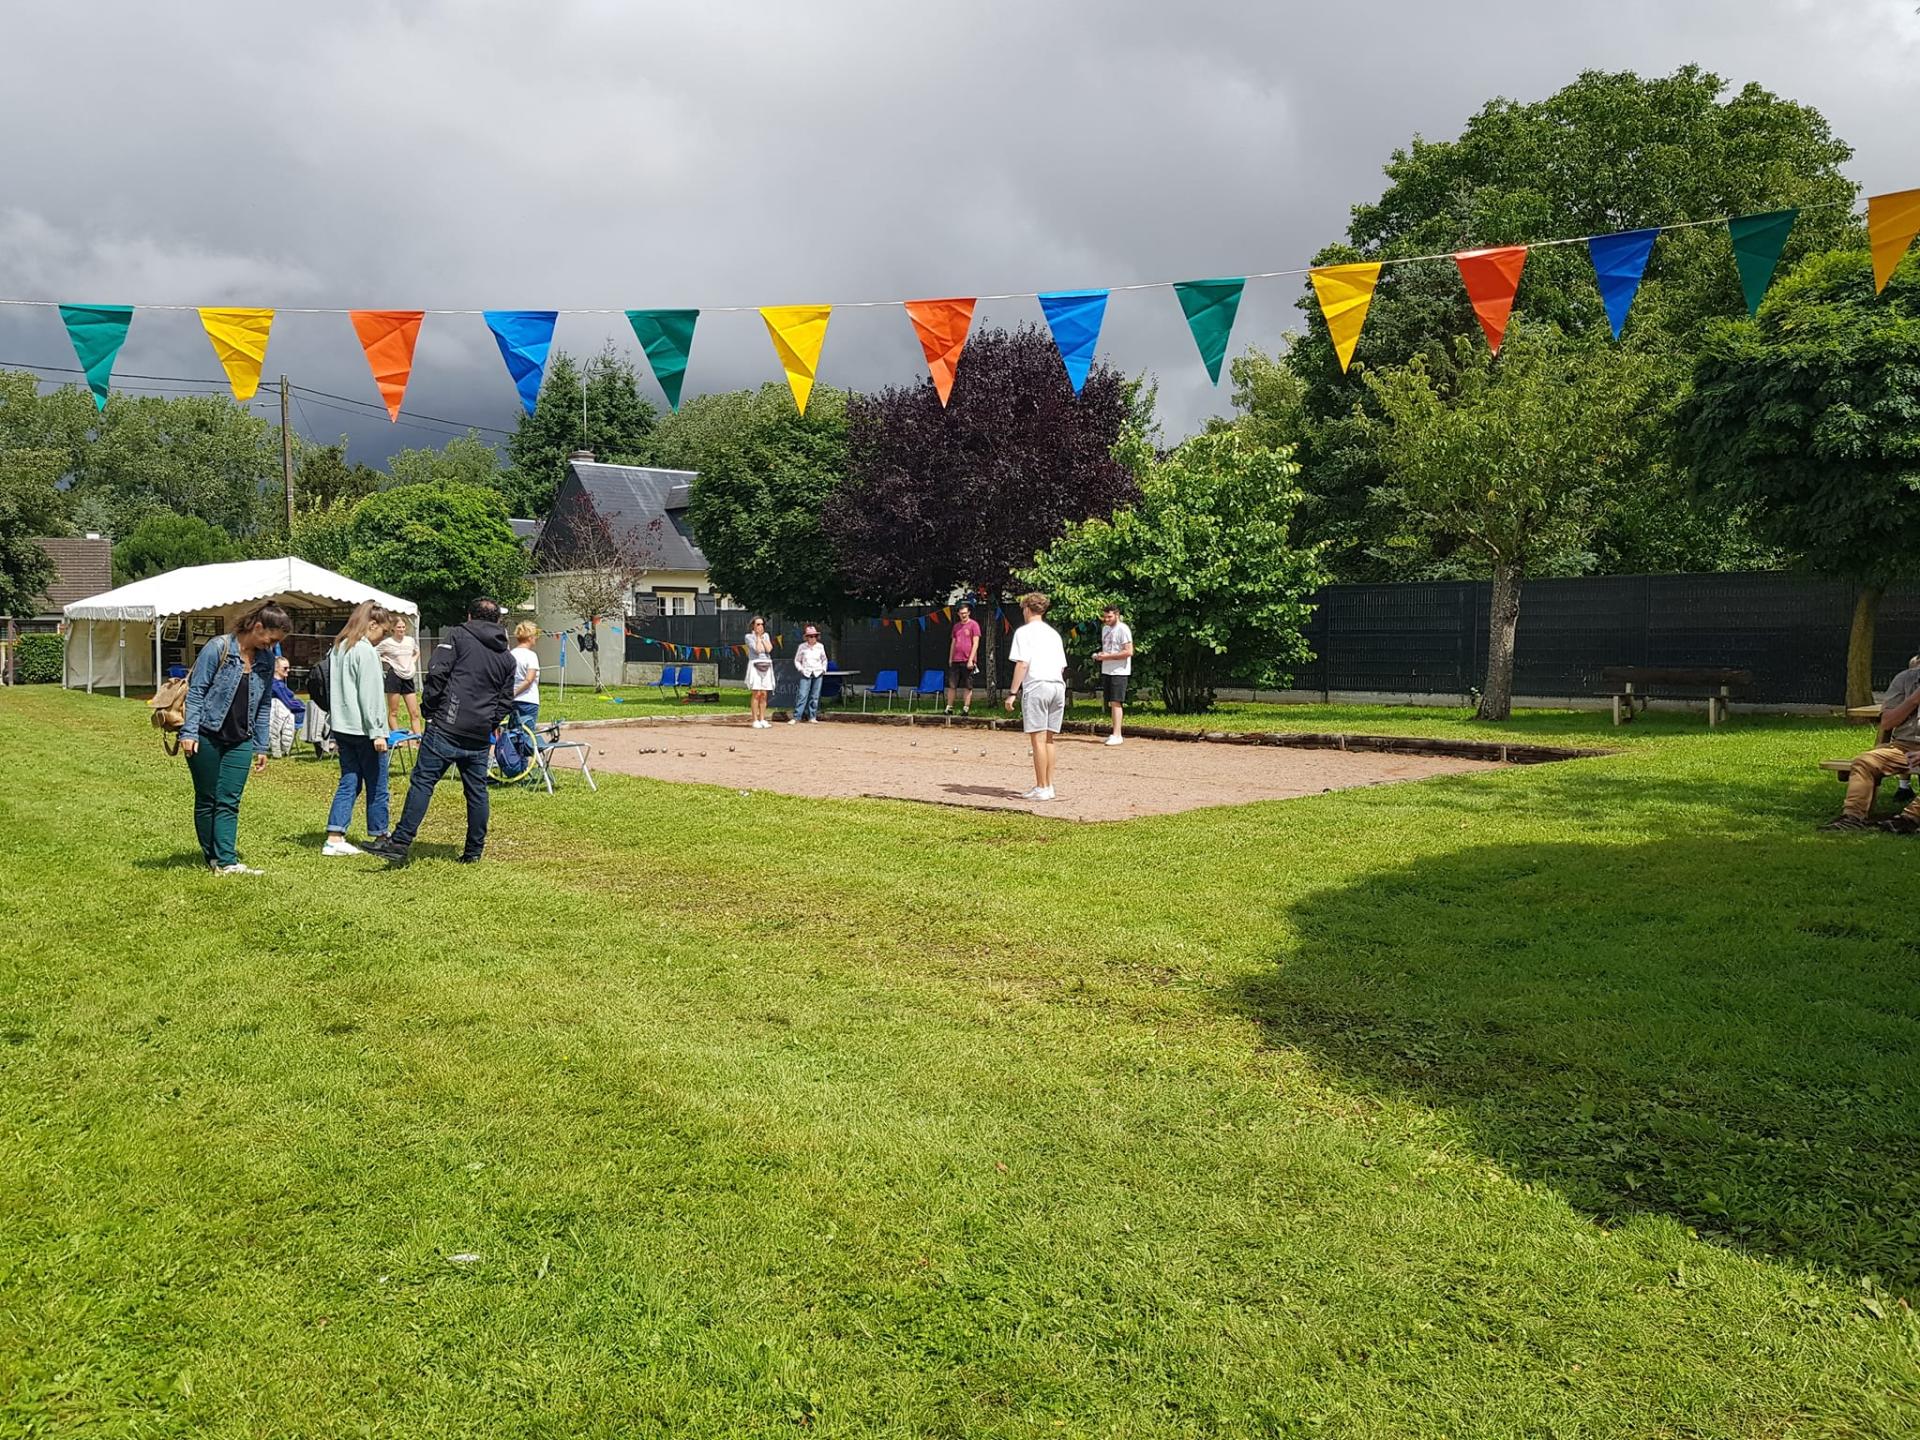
114,639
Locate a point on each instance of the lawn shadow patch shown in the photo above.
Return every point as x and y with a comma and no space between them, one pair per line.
1723,1031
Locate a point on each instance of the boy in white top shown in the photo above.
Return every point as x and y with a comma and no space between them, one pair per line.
1116,664
810,663
1040,685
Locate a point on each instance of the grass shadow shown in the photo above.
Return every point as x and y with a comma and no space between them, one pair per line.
1723,1031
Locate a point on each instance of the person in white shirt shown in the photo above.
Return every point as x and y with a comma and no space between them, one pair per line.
810,660
1040,687
1116,664
526,673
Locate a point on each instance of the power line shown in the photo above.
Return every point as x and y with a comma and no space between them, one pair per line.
380,409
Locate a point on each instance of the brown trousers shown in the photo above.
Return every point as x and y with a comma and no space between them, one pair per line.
1865,777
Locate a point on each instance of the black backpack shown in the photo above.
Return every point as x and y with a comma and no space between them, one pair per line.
320,681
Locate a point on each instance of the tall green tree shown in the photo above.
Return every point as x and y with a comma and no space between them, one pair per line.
596,406
1203,565
322,475
765,474
323,535
30,507
438,546
1515,459
160,543
1810,415
464,460
198,455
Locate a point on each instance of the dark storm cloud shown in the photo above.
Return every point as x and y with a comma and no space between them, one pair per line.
556,155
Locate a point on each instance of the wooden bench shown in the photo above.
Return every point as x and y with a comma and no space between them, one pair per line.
1630,698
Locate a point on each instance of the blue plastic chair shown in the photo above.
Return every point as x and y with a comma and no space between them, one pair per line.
685,678
932,682
886,683
666,680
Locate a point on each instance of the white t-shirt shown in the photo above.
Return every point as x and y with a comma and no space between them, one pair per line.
525,661
1112,638
1038,643
811,658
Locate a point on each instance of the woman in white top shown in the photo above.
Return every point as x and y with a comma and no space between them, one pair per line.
810,664
759,671
399,656
526,673
1040,686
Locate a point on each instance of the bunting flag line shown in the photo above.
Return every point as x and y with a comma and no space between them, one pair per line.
667,337
1757,243
524,337
1492,277
1210,306
239,338
388,337
1074,317
942,326
1892,222
1618,263
1344,293
97,332
798,332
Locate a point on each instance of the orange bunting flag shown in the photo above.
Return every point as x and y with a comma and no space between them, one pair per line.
942,326
1492,277
1892,222
1344,293
388,337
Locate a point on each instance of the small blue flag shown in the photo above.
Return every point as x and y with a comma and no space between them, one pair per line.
1618,263
1074,316
525,337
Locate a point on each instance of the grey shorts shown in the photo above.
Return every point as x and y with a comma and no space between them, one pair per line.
1115,687
1043,705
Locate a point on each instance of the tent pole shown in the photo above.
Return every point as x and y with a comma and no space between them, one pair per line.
89,657
156,654
122,647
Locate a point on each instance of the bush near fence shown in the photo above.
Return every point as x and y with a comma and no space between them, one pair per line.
37,659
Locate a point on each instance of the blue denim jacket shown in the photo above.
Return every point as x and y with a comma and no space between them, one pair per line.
216,675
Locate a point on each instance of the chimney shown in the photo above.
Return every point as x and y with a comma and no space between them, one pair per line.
586,455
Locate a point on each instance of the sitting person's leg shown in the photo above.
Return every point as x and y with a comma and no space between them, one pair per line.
1863,780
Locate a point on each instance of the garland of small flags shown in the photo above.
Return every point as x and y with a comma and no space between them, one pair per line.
1491,277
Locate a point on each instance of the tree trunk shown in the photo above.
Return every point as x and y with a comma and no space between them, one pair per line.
1496,694
1866,614
990,642
1188,686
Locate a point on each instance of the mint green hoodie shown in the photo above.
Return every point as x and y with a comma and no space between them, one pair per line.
359,701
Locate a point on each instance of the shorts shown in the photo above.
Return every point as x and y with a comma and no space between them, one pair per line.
1115,687
960,675
396,684
1043,705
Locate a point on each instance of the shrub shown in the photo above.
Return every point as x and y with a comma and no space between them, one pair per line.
38,659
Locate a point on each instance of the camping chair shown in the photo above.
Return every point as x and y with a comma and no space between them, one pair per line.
886,683
829,686
932,682
547,743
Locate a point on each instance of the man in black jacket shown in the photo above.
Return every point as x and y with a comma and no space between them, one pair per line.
469,691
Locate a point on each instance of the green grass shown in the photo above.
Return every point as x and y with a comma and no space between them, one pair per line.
1576,1100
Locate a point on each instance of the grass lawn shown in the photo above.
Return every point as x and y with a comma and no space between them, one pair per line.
1577,1100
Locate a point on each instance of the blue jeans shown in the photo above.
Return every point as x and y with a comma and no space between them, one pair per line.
362,769
527,712
438,752
806,697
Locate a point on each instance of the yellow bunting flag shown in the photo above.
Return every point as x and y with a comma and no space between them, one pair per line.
240,340
798,332
1344,293
1892,222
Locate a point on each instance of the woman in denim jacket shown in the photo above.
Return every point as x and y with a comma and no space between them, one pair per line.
225,734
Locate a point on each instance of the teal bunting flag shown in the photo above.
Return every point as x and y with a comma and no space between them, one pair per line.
667,337
1210,306
1757,243
1074,316
97,332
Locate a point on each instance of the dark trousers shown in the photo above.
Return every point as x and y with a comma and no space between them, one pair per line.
437,752
219,775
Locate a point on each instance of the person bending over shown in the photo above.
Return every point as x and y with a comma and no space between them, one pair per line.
1040,687
469,692
1896,744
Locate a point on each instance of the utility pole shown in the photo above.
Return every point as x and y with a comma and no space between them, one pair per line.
286,454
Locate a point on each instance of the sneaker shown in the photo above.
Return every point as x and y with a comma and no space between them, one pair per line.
1046,794
387,850
1848,822
793,719
949,709
1900,825
343,847
1032,794
237,869
1115,740
813,719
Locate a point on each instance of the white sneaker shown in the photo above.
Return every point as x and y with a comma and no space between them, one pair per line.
813,719
238,869
341,847
1115,740
793,719
1046,794
1032,794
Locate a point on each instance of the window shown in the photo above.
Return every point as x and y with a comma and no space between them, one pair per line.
676,602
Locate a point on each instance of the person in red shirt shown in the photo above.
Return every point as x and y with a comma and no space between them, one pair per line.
963,660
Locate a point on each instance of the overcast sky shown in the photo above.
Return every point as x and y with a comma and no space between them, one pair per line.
556,154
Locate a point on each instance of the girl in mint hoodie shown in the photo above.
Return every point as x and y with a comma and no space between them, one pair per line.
357,710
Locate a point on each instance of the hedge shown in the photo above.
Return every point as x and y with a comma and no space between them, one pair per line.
38,659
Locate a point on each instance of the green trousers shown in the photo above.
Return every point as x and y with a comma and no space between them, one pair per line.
218,778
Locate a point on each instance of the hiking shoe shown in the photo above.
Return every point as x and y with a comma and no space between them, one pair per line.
1115,740
1848,822
387,850
237,869
343,847
1900,825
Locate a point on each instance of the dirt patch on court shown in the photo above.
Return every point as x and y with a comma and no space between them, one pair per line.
989,768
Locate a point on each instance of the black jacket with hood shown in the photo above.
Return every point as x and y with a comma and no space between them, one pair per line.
469,687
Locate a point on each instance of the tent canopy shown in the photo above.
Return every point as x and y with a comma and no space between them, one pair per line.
200,588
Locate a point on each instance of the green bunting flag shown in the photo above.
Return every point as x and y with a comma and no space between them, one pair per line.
667,337
97,332
1757,243
1211,306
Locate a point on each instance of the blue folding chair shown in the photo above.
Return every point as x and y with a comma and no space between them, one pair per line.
932,682
685,679
666,680
886,683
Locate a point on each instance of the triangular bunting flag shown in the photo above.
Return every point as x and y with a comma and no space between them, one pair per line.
1344,293
1491,277
1619,261
1757,243
97,332
388,337
524,337
1210,306
1892,222
1074,316
240,340
798,332
667,337
942,326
